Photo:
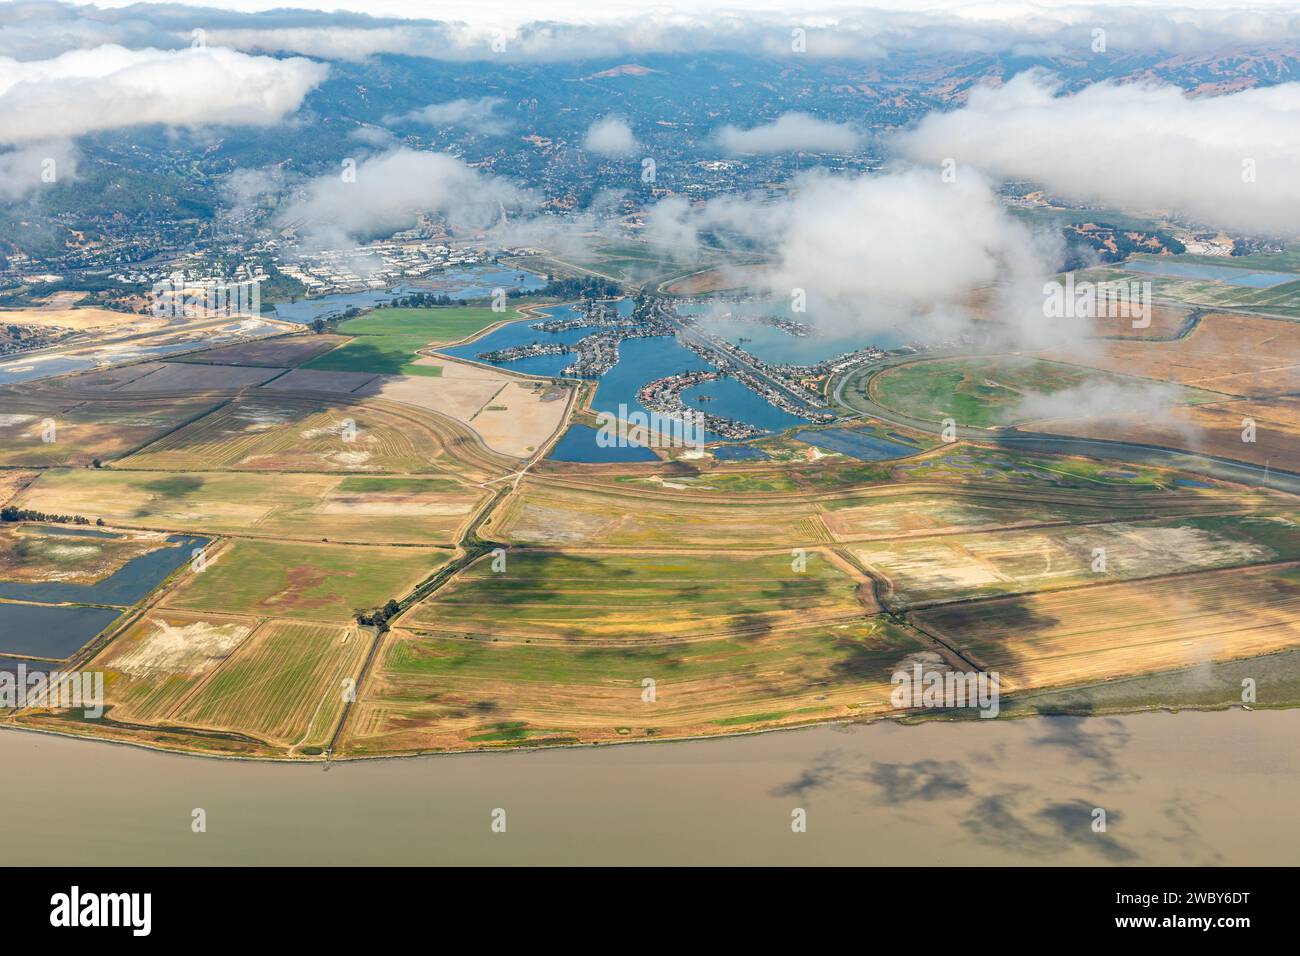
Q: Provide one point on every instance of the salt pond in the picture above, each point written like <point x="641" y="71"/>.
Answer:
<point x="1228" y="275"/>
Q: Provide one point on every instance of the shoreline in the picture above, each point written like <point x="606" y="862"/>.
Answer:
<point x="902" y="720"/>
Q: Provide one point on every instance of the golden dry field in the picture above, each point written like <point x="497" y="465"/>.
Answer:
<point x="921" y="571"/>
<point x="47" y="432"/>
<point x="1227" y="352"/>
<point x="513" y="416"/>
<point x="291" y="434"/>
<point x="285" y="685"/>
<point x="160" y="661"/>
<point x="1098" y="633"/>
<point x="573" y="514"/>
<point x="1217" y="429"/>
<point x="12" y="482"/>
<point x="316" y="582"/>
<point x="308" y="507"/>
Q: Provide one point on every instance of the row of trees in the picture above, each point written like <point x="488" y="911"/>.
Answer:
<point x="11" y="513"/>
<point x="579" y="287"/>
<point x="421" y="300"/>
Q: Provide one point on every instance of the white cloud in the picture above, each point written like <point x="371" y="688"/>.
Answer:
<point x="1137" y="146"/>
<point x="375" y="136"/>
<point x="610" y="136"/>
<point x="473" y="29"/>
<point x="477" y="115"/>
<point x="109" y="87"/>
<point x="1101" y="398"/>
<point x="874" y="251"/>
<point x="389" y="192"/>
<point x="31" y="167"/>
<point x="790" y="133"/>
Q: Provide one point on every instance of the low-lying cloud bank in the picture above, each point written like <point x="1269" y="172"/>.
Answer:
<point x="110" y="87"/>
<point x="571" y="31"/>
<point x="477" y="115"/>
<point x="791" y="133"/>
<point x="1227" y="161"/>
<point x="28" y="168"/>
<point x="1102" y="399"/>
<point x="389" y="192"/>
<point x="873" y="252"/>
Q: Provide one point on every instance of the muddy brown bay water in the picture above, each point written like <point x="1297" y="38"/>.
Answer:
<point x="1188" y="788"/>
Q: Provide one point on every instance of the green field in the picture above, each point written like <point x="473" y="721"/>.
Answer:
<point x="976" y="462"/>
<point x="621" y="599"/>
<point x="320" y="582"/>
<point x="1211" y="685"/>
<point x="376" y="484"/>
<point x="431" y="692"/>
<point x="986" y="392"/>
<point x="386" y="340"/>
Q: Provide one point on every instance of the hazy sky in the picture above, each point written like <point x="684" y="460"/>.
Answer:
<point x="506" y="13"/>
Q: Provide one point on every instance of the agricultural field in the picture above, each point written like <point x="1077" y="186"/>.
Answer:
<point x="12" y="482"/>
<point x="1167" y="322"/>
<point x="178" y="377"/>
<point x="429" y="692"/>
<point x="277" y="433"/>
<point x="920" y="571"/>
<point x="316" y="582"/>
<point x="968" y="463"/>
<point x="721" y="279"/>
<point x="900" y="512"/>
<point x="284" y="685"/>
<point x="90" y="383"/>
<point x="1092" y="634"/>
<point x="1228" y="353"/>
<point x="386" y="341"/>
<point x="581" y="598"/>
<point x="743" y="478"/>
<point x="513" y="416"/>
<point x="631" y="261"/>
<point x="438" y="325"/>
<point x="1217" y="429"/>
<point x="301" y="507"/>
<point x="288" y="351"/>
<point x="1205" y="684"/>
<point x="311" y="380"/>
<point x="568" y="515"/>
<point x="1002" y="390"/>
<point x="48" y="432"/>
<point x="160" y="660"/>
